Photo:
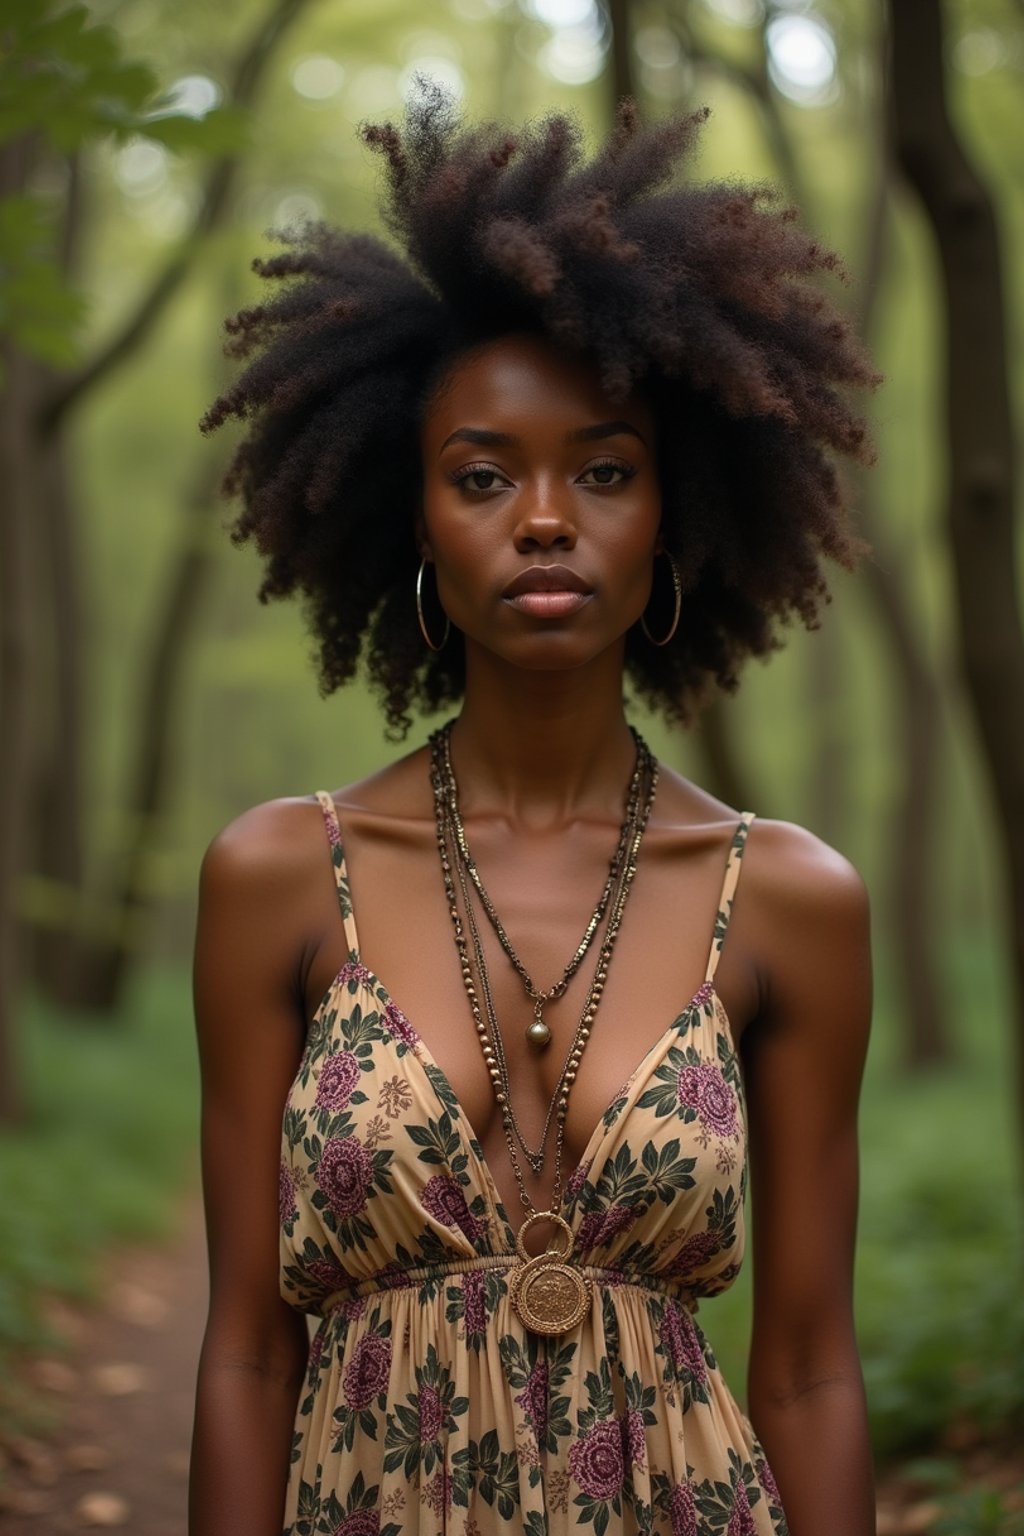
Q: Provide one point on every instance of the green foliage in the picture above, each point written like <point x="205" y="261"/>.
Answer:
<point x="38" y="309"/>
<point x="109" y="1141"/>
<point x="65" y="83"/>
<point x="66" y="77"/>
<point x="979" y="1510"/>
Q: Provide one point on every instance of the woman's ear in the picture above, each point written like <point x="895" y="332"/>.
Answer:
<point x="423" y="548"/>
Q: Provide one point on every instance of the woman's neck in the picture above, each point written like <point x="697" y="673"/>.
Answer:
<point x="542" y="747"/>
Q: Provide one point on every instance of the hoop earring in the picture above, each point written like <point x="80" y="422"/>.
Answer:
<point x="419" y="613"/>
<point x="677" y="589"/>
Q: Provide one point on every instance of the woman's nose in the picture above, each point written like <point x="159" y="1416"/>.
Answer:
<point x="545" y="520"/>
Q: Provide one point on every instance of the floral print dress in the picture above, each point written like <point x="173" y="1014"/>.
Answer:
<point x="428" y="1407"/>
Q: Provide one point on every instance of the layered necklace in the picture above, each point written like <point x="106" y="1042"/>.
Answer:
<point x="548" y="1295"/>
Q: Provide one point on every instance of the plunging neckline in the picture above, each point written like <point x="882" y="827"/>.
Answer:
<point x="425" y="1057"/>
<point x="437" y="1077"/>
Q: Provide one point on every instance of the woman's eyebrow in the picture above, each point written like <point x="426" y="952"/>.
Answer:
<point x="604" y="429"/>
<point x="482" y="437"/>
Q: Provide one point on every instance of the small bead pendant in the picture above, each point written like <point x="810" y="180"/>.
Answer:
<point x="538" y="1033"/>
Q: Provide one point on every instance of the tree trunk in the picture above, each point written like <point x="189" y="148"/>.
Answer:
<point x="981" y="449"/>
<point x="621" y="75"/>
<point x="93" y="963"/>
<point x="104" y="961"/>
<point x="19" y="672"/>
<point x="914" y="849"/>
<point x="57" y="788"/>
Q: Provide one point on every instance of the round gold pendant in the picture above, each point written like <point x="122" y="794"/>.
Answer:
<point x="548" y="1295"/>
<point x="538" y="1032"/>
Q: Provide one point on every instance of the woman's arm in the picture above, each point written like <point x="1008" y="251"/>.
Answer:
<point x="804" y="1058"/>
<point x="250" y="1028"/>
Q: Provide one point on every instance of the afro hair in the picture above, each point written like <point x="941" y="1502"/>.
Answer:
<point x="702" y="296"/>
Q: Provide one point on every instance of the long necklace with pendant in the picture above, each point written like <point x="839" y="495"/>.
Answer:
<point x="443" y="778"/>
<point x="548" y="1295"/>
<point x="539" y="1032"/>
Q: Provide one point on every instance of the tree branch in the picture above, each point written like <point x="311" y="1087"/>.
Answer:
<point x="623" y="79"/>
<point x="247" y="77"/>
<point x="754" y="80"/>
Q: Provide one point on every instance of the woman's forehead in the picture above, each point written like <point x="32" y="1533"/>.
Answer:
<point x="523" y="378"/>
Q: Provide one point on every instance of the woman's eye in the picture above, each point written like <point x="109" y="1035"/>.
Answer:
<point x="606" y="473"/>
<point x="478" y="478"/>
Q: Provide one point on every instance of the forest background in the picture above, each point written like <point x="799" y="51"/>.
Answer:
<point x="145" y="698"/>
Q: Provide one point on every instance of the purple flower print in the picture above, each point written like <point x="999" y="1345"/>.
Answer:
<point x="396" y="1023"/>
<point x="681" y="1511"/>
<point x="766" y="1478"/>
<point x="366" y="1375"/>
<point x="329" y="1274"/>
<point x="286" y="1194"/>
<point x="579" y="1178"/>
<point x="695" y="1253"/>
<point x="353" y="1308"/>
<point x="634" y="1440"/>
<point x="704" y="1089"/>
<point x="704" y="993"/>
<point x="353" y="970"/>
<point x="431" y="1413"/>
<point x="599" y="1227"/>
<point x="442" y="1198"/>
<point x="533" y="1399"/>
<point x="333" y="835"/>
<point x="361" y="1522"/>
<point x="680" y="1342"/>
<point x="741" y="1521"/>
<point x="595" y="1461"/>
<point x="474" y="1302"/>
<point x="344" y="1173"/>
<point x="439" y="1493"/>
<point x="338" y="1077"/>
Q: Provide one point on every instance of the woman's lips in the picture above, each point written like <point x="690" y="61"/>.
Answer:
<point x="548" y="591"/>
<point x="548" y="605"/>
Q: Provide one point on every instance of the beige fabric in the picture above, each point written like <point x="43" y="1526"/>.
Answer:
<point x="428" y="1407"/>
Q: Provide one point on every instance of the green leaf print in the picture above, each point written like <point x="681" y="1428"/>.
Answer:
<point x="610" y="1324"/>
<point x="416" y="1430"/>
<point x="497" y="1473"/>
<point x="359" y="1499"/>
<point x="294" y="1125"/>
<point x="726" y="1506"/>
<point x="442" y="1088"/>
<point x="620" y="1182"/>
<point x="598" y="1385"/>
<point x="667" y="1172"/>
<point x="438" y="1138"/>
<point x="663" y="1095"/>
<point x="308" y="1506"/>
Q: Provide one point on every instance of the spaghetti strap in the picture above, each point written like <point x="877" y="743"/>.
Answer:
<point x="725" y="900"/>
<point x="333" y="829"/>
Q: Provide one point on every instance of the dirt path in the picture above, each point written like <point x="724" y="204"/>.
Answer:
<point x="121" y="1401"/>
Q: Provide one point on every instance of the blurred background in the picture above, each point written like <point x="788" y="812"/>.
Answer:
<point x="146" y="698"/>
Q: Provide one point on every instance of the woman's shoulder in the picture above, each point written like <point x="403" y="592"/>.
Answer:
<point x="799" y="875"/>
<point x="280" y="839"/>
<point x="264" y="837"/>
<point x="785" y="861"/>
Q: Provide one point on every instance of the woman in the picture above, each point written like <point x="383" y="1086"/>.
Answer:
<point x="581" y="433"/>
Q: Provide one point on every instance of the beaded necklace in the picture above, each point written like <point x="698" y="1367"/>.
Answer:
<point x="548" y="1295"/>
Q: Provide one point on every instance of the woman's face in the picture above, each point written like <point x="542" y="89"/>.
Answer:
<point x="541" y="504"/>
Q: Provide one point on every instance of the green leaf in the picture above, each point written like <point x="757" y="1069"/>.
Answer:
<point x="39" y="311"/>
<point x="221" y="132"/>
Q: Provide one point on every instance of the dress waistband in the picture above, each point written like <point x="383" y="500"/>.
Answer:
<point x="406" y="1277"/>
